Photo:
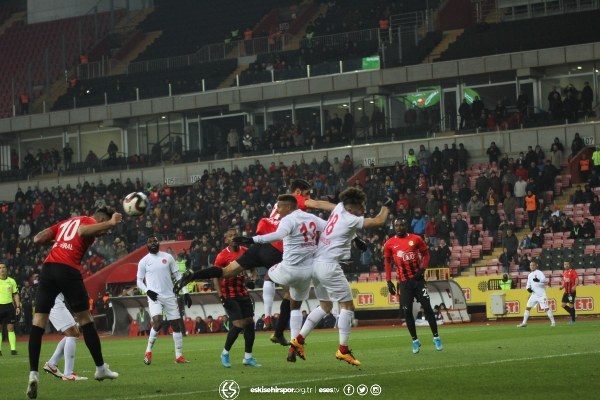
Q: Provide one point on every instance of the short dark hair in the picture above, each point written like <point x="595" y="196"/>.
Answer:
<point x="288" y="198"/>
<point x="301" y="184"/>
<point x="106" y="210"/>
<point x="353" y="196"/>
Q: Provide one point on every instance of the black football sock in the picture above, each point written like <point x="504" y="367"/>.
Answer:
<point x="249" y="336"/>
<point x="431" y="320"/>
<point x="410" y="323"/>
<point x="212" y="272"/>
<point x="284" y="318"/>
<point x="92" y="341"/>
<point x="572" y="313"/>
<point x="35" y="346"/>
<point x="234" y="332"/>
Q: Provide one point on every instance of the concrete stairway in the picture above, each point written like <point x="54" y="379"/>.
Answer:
<point x="559" y="204"/>
<point x="18" y="16"/>
<point x="148" y="39"/>
<point x="449" y="37"/>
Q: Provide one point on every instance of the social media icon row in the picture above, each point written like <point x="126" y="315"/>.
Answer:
<point x="362" y="390"/>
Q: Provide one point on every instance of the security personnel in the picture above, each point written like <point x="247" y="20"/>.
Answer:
<point x="505" y="282"/>
<point x="596" y="159"/>
<point x="531" y="208"/>
<point x="10" y="307"/>
<point x="584" y="167"/>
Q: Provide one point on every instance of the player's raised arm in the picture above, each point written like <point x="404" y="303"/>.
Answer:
<point x="106" y="218"/>
<point x="45" y="237"/>
<point x="380" y="218"/>
<point x="319" y="204"/>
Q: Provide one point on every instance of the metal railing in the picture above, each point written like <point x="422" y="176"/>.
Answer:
<point x="214" y="52"/>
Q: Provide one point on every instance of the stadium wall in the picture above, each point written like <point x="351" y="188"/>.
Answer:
<point x="44" y="10"/>
<point x="476" y="293"/>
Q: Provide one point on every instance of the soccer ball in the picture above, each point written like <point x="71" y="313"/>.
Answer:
<point x="135" y="204"/>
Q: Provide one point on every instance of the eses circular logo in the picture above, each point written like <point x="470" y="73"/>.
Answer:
<point x="229" y="390"/>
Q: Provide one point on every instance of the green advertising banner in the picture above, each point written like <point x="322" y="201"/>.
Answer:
<point x="370" y="62"/>
<point x="469" y="94"/>
<point x="423" y="98"/>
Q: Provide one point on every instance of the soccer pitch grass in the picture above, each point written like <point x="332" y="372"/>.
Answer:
<point x="499" y="361"/>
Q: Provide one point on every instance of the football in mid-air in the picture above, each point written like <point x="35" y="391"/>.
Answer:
<point x="135" y="204"/>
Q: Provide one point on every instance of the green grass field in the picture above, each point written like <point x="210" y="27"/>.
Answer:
<point x="497" y="361"/>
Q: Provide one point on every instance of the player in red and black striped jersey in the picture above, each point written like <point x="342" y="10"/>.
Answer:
<point x="236" y="301"/>
<point x="569" y="283"/>
<point x="409" y="253"/>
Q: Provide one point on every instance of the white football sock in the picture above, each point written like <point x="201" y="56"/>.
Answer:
<point x="70" y="349"/>
<point x="295" y="322"/>
<point x="344" y="326"/>
<point x="525" y="316"/>
<point x="268" y="297"/>
<point x="58" y="353"/>
<point x="550" y="315"/>
<point x="151" y="340"/>
<point x="312" y="320"/>
<point x="178" y="339"/>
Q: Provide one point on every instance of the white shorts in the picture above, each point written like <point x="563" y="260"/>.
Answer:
<point x="298" y="278"/>
<point x="60" y="316"/>
<point x="534" y="300"/>
<point x="330" y="282"/>
<point x="168" y="303"/>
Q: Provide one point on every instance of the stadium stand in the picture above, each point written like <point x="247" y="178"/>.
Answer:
<point x="241" y="197"/>
<point x="35" y="55"/>
<point x="192" y="24"/>
<point x="485" y="39"/>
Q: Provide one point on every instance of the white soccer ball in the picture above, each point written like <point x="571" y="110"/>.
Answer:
<point x="135" y="204"/>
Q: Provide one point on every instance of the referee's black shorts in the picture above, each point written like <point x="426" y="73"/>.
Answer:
<point x="7" y="315"/>
<point x="58" y="278"/>
<point x="238" y="308"/>
<point x="260" y="255"/>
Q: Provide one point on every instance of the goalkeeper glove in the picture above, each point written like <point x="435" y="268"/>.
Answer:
<point x="152" y="294"/>
<point x="530" y="290"/>
<point x="360" y="244"/>
<point x="420" y="275"/>
<point x="187" y="299"/>
<point x="391" y="287"/>
<point x="388" y="202"/>
<point x="536" y="279"/>
<point x="243" y="240"/>
<point x="250" y="285"/>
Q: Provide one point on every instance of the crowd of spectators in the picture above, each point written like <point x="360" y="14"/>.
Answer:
<point x="431" y="190"/>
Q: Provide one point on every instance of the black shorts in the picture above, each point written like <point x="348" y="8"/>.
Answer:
<point x="7" y="315"/>
<point x="260" y="255"/>
<point x="413" y="289"/>
<point x="565" y="298"/>
<point x="239" y="308"/>
<point x="60" y="278"/>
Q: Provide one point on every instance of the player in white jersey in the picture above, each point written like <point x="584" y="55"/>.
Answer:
<point x="536" y="286"/>
<point x="328" y="277"/>
<point x="300" y="189"/>
<point x="158" y="269"/>
<point x="63" y="321"/>
<point x="298" y="230"/>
